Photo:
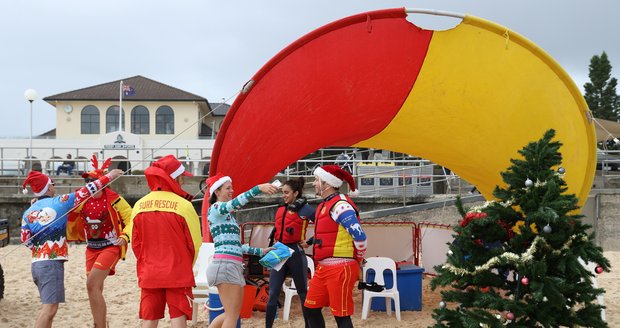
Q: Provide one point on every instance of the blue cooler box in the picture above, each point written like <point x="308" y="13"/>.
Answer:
<point x="409" y="278"/>
<point x="216" y="308"/>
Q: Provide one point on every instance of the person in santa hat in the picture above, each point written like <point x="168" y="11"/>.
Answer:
<point x="44" y="230"/>
<point x="290" y="226"/>
<point x="339" y="247"/>
<point x="226" y="270"/>
<point x="104" y="222"/>
<point x="165" y="240"/>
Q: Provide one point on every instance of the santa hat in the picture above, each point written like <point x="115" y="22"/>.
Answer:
<point x="334" y="176"/>
<point x="39" y="183"/>
<point x="171" y="166"/>
<point x="217" y="181"/>
<point x="98" y="172"/>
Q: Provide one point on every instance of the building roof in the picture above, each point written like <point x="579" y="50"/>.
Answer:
<point x="145" y="90"/>
<point x="219" y="109"/>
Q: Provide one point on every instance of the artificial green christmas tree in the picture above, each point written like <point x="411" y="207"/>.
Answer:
<point x="515" y="261"/>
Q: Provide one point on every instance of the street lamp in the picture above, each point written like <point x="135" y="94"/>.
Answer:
<point x="31" y="95"/>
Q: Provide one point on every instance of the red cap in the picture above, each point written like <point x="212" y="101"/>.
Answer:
<point x="171" y="166"/>
<point x="39" y="183"/>
<point x="216" y="181"/>
<point x="334" y="175"/>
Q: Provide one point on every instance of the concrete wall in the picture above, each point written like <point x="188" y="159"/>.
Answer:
<point x="608" y="222"/>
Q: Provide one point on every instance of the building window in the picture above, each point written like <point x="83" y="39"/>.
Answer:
<point x="140" y="120"/>
<point x="90" y="120"/>
<point x="111" y="120"/>
<point x="164" y="120"/>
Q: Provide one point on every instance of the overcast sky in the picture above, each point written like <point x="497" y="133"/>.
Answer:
<point x="211" y="48"/>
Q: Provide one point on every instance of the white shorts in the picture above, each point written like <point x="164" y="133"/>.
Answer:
<point x="223" y="271"/>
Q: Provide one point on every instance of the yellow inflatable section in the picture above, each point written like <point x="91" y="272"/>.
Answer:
<point x="482" y="96"/>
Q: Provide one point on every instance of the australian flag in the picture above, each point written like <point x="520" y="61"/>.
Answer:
<point x="128" y="91"/>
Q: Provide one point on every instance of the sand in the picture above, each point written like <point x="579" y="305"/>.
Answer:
<point x="21" y="302"/>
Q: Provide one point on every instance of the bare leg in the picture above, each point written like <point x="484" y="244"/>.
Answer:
<point x="179" y="322"/>
<point x="149" y="323"/>
<point x="46" y="316"/>
<point x="94" y="285"/>
<point x="232" y="298"/>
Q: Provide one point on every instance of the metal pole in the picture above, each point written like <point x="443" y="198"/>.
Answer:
<point x="29" y="160"/>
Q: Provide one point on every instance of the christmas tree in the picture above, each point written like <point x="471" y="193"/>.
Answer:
<point x="517" y="261"/>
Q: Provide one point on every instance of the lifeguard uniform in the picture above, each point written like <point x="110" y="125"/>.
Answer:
<point x="165" y="239"/>
<point x="338" y="237"/>
<point x="290" y="225"/>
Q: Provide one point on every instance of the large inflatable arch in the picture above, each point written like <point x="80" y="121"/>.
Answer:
<point x="466" y="98"/>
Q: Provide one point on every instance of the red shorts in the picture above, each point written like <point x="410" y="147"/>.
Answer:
<point x="103" y="259"/>
<point x="153" y="302"/>
<point x="333" y="286"/>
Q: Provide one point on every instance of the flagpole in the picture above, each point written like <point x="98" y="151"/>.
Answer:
<point x="120" y="106"/>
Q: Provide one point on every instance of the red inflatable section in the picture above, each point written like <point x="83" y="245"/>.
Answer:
<point x="358" y="69"/>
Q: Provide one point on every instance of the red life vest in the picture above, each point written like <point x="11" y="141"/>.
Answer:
<point x="330" y="238"/>
<point x="290" y="227"/>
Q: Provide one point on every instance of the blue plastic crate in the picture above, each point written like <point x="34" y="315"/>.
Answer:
<point x="409" y="278"/>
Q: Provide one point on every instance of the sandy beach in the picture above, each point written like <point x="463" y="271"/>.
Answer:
<point x="21" y="302"/>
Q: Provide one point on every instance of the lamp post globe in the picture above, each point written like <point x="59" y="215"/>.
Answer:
<point x="30" y="95"/>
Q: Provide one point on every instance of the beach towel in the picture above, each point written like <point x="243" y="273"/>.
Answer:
<point x="275" y="258"/>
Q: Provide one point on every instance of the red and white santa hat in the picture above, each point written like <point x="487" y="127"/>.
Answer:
<point x="217" y="181"/>
<point x="171" y="166"/>
<point x="334" y="176"/>
<point x="39" y="183"/>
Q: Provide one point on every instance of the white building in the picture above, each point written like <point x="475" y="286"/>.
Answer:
<point x="157" y="119"/>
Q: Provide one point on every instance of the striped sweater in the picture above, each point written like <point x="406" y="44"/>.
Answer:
<point x="225" y="230"/>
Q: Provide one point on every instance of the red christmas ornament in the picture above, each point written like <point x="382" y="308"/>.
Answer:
<point x="510" y="316"/>
<point x="525" y="281"/>
<point x="599" y="269"/>
<point x="485" y="289"/>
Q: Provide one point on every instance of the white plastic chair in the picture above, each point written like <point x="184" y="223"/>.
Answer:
<point x="290" y="291"/>
<point x="378" y="265"/>
<point x="202" y="289"/>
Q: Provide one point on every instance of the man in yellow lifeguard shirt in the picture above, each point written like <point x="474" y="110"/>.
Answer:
<point x="166" y="239"/>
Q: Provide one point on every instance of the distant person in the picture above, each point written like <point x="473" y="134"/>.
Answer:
<point x="339" y="247"/>
<point x="44" y="230"/>
<point x="226" y="270"/>
<point x="165" y="239"/>
<point x="104" y="222"/>
<point x="290" y="225"/>
<point x="67" y="166"/>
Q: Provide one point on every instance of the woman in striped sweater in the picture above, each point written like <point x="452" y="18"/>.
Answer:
<point x="226" y="270"/>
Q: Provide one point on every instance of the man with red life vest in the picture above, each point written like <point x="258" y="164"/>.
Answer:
<point x="339" y="248"/>
<point x="166" y="239"/>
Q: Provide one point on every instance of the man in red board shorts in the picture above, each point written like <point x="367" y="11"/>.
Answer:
<point x="339" y="246"/>
<point x="166" y="239"/>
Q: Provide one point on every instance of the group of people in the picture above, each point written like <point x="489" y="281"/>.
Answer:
<point x="163" y="229"/>
<point x="339" y="244"/>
